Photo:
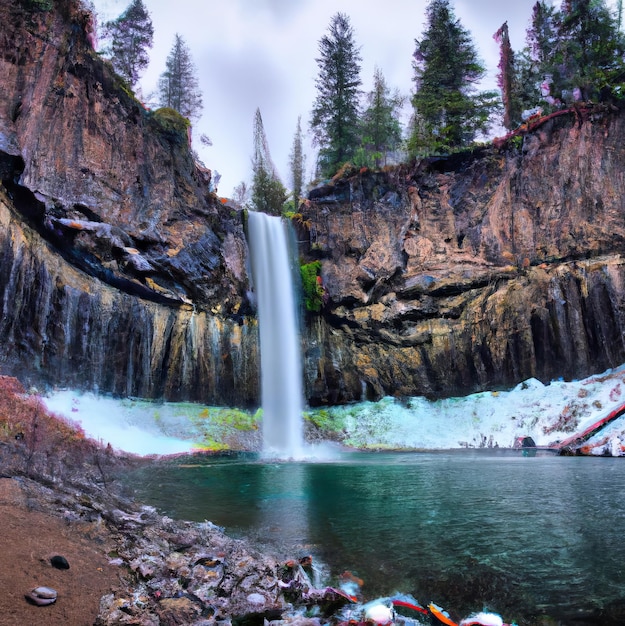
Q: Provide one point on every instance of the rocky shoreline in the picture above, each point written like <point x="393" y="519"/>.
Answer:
<point x="136" y="566"/>
<point x="176" y="572"/>
<point x="170" y="571"/>
<point x="165" y="571"/>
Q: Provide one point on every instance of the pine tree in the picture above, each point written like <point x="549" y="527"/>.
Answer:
<point x="576" y="49"/>
<point x="542" y="35"/>
<point x="536" y="67"/>
<point x="335" y="114"/>
<point x="448" y="114"/>
<point x="178" y="84"/>
<point x="268" y="193"/>
<point x="380" y="126"/>
<point x="296" y="163"/>
<point x="130" y="38"/>
<point x="590" y="47"/>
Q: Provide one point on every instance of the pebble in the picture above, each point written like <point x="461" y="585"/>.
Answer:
<point x="257" y="599"/>
<point x="60" y="562"/>
<point x="41" y="596"/>
<point x="379" y="614"/>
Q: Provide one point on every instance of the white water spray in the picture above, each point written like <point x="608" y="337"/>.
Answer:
<point x="281" y="364"/>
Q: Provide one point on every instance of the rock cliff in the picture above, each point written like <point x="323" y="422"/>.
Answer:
<point x="112" y="185"/>
<point x="123" y="272"/>
<point x="61" y="326"/>
<point x="476" y="271"/>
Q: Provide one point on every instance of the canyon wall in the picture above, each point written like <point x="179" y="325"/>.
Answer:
<point x="61" y="326"/>
<point x="476" y="271"/>
<point x="122" y="271"/>
<point x="112" y="185"/>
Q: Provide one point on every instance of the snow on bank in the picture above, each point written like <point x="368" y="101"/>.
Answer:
<point x="547" y="413"/>
<point x="120" y="423"/>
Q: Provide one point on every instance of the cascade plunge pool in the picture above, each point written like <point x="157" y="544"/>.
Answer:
<point x="465" y="528"/>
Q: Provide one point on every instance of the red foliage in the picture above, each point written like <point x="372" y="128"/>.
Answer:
<point x="23" y="417"/>
<point x="567" y="422"/>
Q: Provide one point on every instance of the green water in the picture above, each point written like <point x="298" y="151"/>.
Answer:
<point x="473" y="530"/>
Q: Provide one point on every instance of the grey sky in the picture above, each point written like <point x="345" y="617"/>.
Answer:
<point x="261" y="53"/>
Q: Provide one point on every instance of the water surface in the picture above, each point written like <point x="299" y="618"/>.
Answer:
<point x="546" y="532"/>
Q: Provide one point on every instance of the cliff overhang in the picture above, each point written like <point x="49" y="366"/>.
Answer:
<point x="114" y="188"/>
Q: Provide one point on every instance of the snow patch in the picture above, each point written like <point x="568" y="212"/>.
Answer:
<point x="547" y="413"/>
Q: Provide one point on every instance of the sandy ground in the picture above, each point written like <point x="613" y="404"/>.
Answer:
<point x="28" y="539"/>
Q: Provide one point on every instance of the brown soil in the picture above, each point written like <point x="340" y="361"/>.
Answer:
<point x="29" y="538"/>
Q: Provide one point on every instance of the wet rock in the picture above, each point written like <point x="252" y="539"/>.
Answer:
<point x="524" y="442"/>
<point x="42" y="596"/>
<point x="146" y="566"/>
<point x="60" y="562"/>
<point x="176" y="562"/>
<point x="178" y="611"/>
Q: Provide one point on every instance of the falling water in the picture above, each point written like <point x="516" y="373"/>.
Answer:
<point x="281" y="367"/>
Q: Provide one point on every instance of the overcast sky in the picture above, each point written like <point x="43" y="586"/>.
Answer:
<point x="261" y="53"/>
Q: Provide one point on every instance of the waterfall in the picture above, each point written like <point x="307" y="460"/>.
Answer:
<point x="280" y="358"/>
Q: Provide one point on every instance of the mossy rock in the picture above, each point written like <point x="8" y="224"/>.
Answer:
<point x="313" y="290"/>
<point x="231" y="418"/>
<point x="329" y="422"/>
<point x="172" y="123"/>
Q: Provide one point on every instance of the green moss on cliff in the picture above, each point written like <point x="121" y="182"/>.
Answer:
<point x="231" y="418"/>
<point x="313" y="290"/>
<point x="172" y="123"/>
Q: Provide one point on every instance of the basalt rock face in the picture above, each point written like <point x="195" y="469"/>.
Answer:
<point x="473" y="272"/>
<point x="61" y="326"/>
<point x="120" y="269"/>
<point x="113" y="186"/>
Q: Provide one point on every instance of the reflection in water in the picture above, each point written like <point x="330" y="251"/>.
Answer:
<point x="551" y="528"/>
<point x="283" y="508"/>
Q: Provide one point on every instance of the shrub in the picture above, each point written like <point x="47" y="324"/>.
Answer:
<point x="45" y="445"/>
<point x="312" y="286"/>
<point x="38" y="5"/>
<point x="172" y="122"/>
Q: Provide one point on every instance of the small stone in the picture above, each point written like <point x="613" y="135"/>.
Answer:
<point x="379" y="614"/>
<point x="175" y="561"/>
<point x="41" y="596"/>
<point x="178" y="611"/>
<point x="256" y="598"/>
<point x="209" y="561"/>
<point x="60" y="562"/>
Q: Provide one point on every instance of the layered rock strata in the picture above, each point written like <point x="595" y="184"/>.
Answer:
<point x="61" y="326"/>
<point x="122" y="271"/>
<point x="113" y="186"/>
<point x="473" y="272"/>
